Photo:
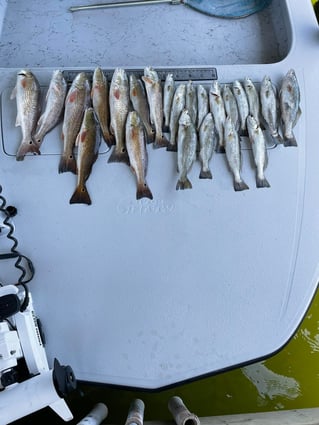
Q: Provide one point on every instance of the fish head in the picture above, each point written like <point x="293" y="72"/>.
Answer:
<point x="248" y="83"/>
<point x="98" y="76"/>
<point x="25" y="78"/>
<point x="215" y="88"/>
<point x="252" y="123"/>
<point x="185" y="119"/>
<point x="266" y="82"/>
<point x="119" y="77"/>
<point x="81" y="80"/>
<point x="150" y="74"/>
<point x="132" y="80"/>
<point x="237" y="87"/>
<point x="133" y="119"/>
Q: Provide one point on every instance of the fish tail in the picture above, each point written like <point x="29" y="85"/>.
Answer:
<point x="183" y="183"/>
<point x="67" y="163"/>
<point x="143" y="191"/>
<point x="205" y="174"/>
<point x="290" y="141"/>
<point x="171" y="147"/>
<point x="109" y="139"/>
<point x="278" y="138"/>
<point x="220" y="148"/>
<point x="262" y="182"/>
<point x="239" y="186"/>
<point x="27" y="147"/>
<point x="80" y="196"/>
<point x="160" y="142"/>
<point x="119" y="156"/>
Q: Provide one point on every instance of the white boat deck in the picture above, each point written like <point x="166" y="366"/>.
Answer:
<point x="152" y="293"/>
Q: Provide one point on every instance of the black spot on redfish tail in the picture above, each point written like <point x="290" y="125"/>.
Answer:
<point x="160" y="142"/>
<point x="183" y="184"/>
<point x="119" y="156"/>
<point x="25" y="148"/>
<point x="143" y="191"/>
<point x="239" y="186"/>
<point x="262" y="182"/>
<point x="205" y="174"/>
<point x="67" y="163"/>
<point x="81" y="196"/>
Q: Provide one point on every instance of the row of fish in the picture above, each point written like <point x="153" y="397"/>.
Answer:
<point x="135" y="111"/>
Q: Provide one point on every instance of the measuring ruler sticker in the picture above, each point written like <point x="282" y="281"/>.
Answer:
<point x="179" y="74"/>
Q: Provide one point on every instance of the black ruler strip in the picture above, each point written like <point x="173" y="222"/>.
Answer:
<point x="179" y="74"/>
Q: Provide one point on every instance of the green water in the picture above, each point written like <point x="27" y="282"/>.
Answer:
<point x="287" y="380"/>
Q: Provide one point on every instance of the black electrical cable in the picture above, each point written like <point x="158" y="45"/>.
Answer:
<point x="10" y="212"/>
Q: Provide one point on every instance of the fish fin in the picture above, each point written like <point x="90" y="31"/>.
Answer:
<point x="183" y="184"/>
<point x="290" y="141"/>
<point x="262" y="182"/>
<point x="277" y="138"/>
<point x="143" y="191"/>
<point x="239" y="186"/>
<point x="220" y="149"/>
<point x="77" y="140"/>
<point x="160" y="142"/>
<point x="109" y="139"/>
<point x="67" y="163"/>
<point x="13" y="93"/>
<point x="297" y="117"/>
<point x="171" y="147"/>
<point x="80" y="196"/>
<point x="205" y="174"/>
<point x="119" y="156"/>
<point x="27" y="147"/>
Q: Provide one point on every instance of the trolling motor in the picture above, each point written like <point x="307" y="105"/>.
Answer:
<point x="27" y="384"/>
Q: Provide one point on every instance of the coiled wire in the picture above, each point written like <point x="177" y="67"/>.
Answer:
<point x="26" y="273"/>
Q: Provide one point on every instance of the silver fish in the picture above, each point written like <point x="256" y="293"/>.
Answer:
<point x="191" y="101"/>
<point x="169" y="89"/>
<point x="202" y="105"/>
<point x="242" y="104"/>
<point x="207" y="141"/>
<point x="119" y="108"/>
<point x="77" y="100"/>
<point x="140" y="105"/>
<point x="230" y="103"/>
<point x="233" y="154"/>
<point x="136" y="148"/>
<point x="86" y="142"/>
<point x="100" y="102"/>
<point x="269" y="107"/>
<point x="27" y="94"/>
<point x="258" y="144"/>
<point x="253" y="98"/>
<point x="217" y="108"/>
<point x="155" y="100"/>
<point x="289" y="98"/>
<point x="178" y="105"/>
<point x="55" y="99"/>
<point x="186" y="152"/>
